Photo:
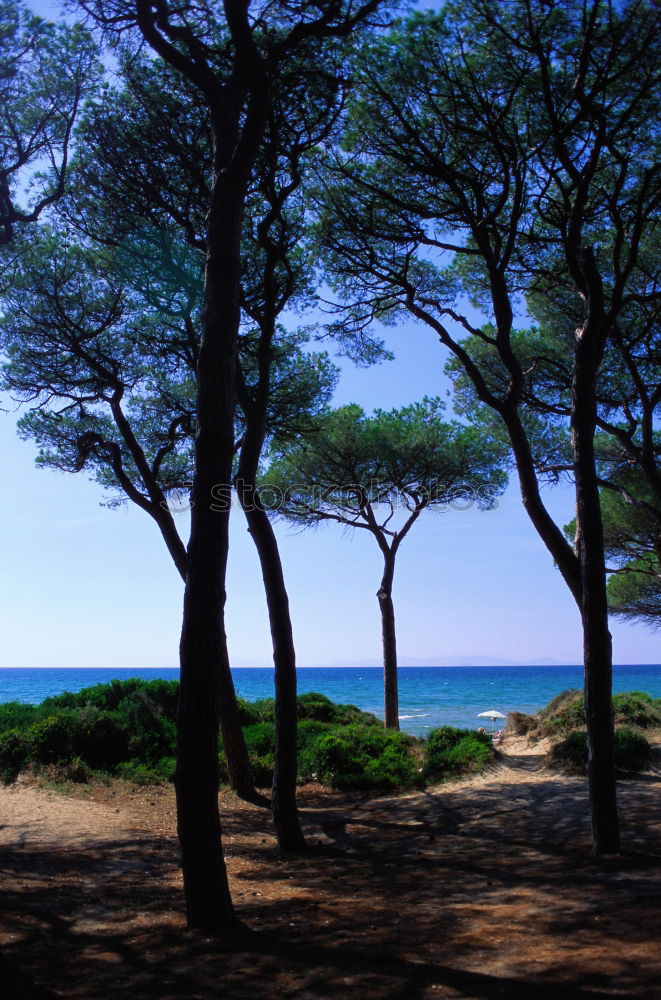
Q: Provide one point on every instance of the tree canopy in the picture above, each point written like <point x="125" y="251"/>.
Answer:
<point x="46" y="72"/>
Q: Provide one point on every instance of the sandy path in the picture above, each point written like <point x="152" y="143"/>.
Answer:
<point x="476" y="889"/>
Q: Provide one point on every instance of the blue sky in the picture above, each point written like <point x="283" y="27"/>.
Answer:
<point x="85" y="586"/>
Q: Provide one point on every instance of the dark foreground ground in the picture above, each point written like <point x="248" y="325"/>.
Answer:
<point x="484" y="888"/>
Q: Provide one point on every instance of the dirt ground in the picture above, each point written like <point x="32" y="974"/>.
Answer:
<point x="474" y="889"/>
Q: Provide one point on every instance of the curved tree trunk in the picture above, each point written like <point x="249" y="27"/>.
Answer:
<point x="389" y="641"/>
<point x="283" y="800"/>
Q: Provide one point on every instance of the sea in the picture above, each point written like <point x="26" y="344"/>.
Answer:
<point x="428" y="696"/>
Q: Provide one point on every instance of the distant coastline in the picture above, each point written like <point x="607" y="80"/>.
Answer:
<point x="370" y="665"/>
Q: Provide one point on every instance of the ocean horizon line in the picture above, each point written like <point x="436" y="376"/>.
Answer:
<point x="362" y="666"/>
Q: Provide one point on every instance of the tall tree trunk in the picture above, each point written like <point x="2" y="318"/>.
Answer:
<point x="206" y="685"/>
<point x="283" y="799"/>
<point x="238" y="110"/>
<point x="238" y="765"/>
<point x="389" y="641"/>
<point x="597" y="647"/>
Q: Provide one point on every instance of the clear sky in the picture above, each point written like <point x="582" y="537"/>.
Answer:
<point x="85" y="586"/>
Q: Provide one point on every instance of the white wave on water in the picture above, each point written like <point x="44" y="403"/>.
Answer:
<point x="421" y="715"/>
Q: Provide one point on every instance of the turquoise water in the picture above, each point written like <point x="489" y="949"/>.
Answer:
<point x="428" y="696"/>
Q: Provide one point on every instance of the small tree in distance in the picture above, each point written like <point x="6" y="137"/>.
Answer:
<point x="380" y="473"/>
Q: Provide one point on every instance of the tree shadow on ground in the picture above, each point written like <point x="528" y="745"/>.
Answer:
<point x="467" y="892"/>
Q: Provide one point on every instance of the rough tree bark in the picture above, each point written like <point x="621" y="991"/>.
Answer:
<point x="389" y="641"/>
<point x="283" y="798"/>
<point x="597" y="646"/>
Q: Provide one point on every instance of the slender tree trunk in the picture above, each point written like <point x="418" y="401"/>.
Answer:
<point x="389" y="640"/>
<point x="597" y="647"/>
<point x="206" y="690"/>
<point x="238" y="110"/>
<point x="283" y="800"/>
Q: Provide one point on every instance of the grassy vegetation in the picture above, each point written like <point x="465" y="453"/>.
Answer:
<point x="451" y="751"/>
<point x="634" y="712"/>
<point x="630" y="708"/>
<point x="127" y="729"/>
<point x="632" y="751"/>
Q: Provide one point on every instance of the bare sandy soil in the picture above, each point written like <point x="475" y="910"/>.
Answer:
<point x="476" y="889"/>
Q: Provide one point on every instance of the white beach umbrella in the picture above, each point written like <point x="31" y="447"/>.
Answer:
<point x="492" y="714"/>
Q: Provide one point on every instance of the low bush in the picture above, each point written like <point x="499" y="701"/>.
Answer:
<point x="563" y="713"/>
<point x="152" y="730"/>
<point x="566" y="712"/>
<point x="260" y="744"/>
<point x="100" y="738"/>
<point x="96" y="737"/>
<point x="105" y="697"/>
<point x="635" y="708"/>
<point x="248" y="712"/>
<point x="632" y="751"/>
<point x="17" y="715"/>
<point x="449" y="751"/>
<point x="147" y="774"/>
<point x="14" y="754"/>
<point x="52" y="738"/>
<point x="360" y="757"/>
<point x="571" y="752"/>
<point x="319" y="708"/>
<point x="308" y="734"/>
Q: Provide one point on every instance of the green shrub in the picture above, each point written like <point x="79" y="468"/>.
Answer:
<point x="632" y="751"/>
<point x="260" y="744"/>
<point x="260" y="737"/>
<point x="359" y="756"/>
<point x="450" y="751"/>
<point x="572" y="752"/>
<point x="249" y="714"/>
<point x="105" y="697"/>
<point x="308" y="733"/>
<point x="95" y="736"/>
<point x="14" y="753"/>
<point x="560" y="702"/>
<point x="147" y="774"/>
<point x="394" y="767"/>
<point x="263" y="709"/>
<point x="99" y="738"/>
<point x="52" y="737"/>
<point x="17" y="715"/>
<point x="563" y="713"/>
<point x="566" y="712"/>
<point x="152" y="731"/>
<point x="319" y="708"/>
<point x="635" y="708"/>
